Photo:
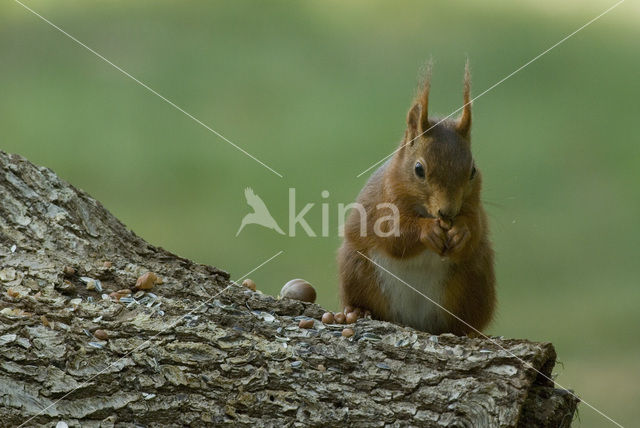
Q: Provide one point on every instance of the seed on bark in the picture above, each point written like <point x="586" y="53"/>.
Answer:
<point x="328" y="318"/>
<point x="250" y="284"/>
<point x="147" y="281"/>
<point x="299" y="289"/>
<point x="306" y="324"/>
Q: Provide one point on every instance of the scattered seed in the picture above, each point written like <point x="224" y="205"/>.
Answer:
<point x="124" y="291"/>
<point x="45" y="321"/>
<point x="347" y="332"/>
<point x="340" y="318"/>
<point x="139" y="294"/>
<point x="250" y="284"/>
<point x="296" y="364"/>
<point x="383" y="366"/>
<point x="328" y="318"/>
<point x="97" y="345"/>
<point x="322" y="368"/>
<point x="305" y="324"/>
<point x="12" y="293"/>
<point x="147" y="281"/>
<point x="13" y="248"/>
<point x="299" y="289"/>
<point x="101" y="334"/>
<point x="69" y="271"/>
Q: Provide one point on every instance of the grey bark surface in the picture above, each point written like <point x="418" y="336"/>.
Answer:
<point x="199" y="350"/>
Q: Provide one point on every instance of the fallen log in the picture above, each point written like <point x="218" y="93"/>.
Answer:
<point x="200" y="350"/>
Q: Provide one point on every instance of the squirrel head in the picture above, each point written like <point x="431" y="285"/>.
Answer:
<point x="433" y="172"/>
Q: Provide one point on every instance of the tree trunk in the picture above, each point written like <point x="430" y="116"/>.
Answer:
<point x="200" y="350"/>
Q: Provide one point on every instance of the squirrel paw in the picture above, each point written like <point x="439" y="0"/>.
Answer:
<point x="457" y="238"/>
<point x="434" y="237"/>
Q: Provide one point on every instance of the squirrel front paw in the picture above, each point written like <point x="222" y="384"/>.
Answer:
<point x="434" y="236"/>
<point x="457" y="239"/>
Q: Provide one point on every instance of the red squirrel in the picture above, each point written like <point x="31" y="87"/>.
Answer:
<point x="440" y="246"/>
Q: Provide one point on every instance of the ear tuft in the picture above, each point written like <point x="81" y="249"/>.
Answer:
<point x="464" y="123"/>
<point x="423" y="98"/>
<point x="418" y="116"/>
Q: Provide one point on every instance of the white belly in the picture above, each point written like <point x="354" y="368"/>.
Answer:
<point x="426" y="273"/>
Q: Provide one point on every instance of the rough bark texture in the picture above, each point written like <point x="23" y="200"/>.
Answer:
<point x="238" y="358"/>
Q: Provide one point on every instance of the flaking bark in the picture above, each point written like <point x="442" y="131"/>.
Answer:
<point x="237" y="359"/>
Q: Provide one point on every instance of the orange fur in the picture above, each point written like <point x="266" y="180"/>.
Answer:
<point x="441" y="213"/>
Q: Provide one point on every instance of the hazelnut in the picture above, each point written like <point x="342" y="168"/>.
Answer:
<point x="351" y="317"/>
<point x="306" y="324"/>
<point x="347" y="332"/>
<point x="299" y="289"/>
<point x="327" y="318"/>
<point x="101" y="334"/>
<point x="340" y="318"/>
<point x="147" y="281"/>
<point x="249" y="284"/>
<point x="69" y="271"/>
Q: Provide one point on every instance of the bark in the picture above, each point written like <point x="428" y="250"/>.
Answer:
<point x="236" y="358"/>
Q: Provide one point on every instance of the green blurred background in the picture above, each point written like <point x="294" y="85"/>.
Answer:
<point x="319" y="91"/>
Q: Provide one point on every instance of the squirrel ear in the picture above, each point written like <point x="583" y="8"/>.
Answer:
<point x="464" y="123"/>
<point x="413" y="121"/>
<point x="418" y="116"/>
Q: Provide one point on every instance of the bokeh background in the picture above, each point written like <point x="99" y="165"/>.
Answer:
<point x="319" y="90"/>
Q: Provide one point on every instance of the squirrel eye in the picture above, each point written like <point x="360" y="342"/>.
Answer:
<point x="419" y="170"/>
<point x="473" y="172"/>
